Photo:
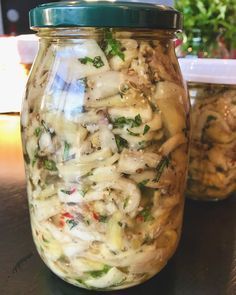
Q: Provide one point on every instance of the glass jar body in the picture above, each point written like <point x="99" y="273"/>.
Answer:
<point x="105" y="139"/>
<point x="212" y="167"/>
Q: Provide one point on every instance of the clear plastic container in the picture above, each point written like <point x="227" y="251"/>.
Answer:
<point x="212" y="89"/>
<point x="105" y="138"/>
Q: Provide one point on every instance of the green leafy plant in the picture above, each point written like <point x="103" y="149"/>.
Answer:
<point x="212" y="18"/>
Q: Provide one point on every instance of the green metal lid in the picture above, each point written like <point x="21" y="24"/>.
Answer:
<point x="105" y="14"/>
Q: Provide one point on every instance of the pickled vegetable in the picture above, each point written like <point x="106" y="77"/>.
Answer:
<point x="212" y="171"/>
<point x="105" y="130"/>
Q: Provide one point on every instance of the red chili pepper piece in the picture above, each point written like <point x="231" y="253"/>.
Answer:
<point x="140" y="218"/>
<point x="61" y="223"/>
<point x="68" y="215"/>
<point x="95" y="216"/>
<point x="73" y="190"/>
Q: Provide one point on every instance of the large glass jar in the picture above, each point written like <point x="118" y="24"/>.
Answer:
<point x="212" y="89"/>
<point x="105" y="138"/>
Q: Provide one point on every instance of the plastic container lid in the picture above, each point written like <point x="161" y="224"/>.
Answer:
<point x="105" y="14"/>
<point x="208" y="70"/>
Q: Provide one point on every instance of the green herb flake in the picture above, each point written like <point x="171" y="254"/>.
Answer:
<point x="160" y="168"/>
<point x="153" y="107"/>
<point x="44" y="239"/>
<point x="66" y="150"/>
<point x="132" y="133"/>
<point x="99" y="273"/>
<point x="71" y="223"/>
<point x="113" y="46"/>
<point x="121" y="143"/>
<point x="97" y="62"/>
<point x="121" y="122"/>
<point x="126" y="202"/>
<point x="211" y="118"/>
<point x="143" y="183"/>
<point x="37" y="131"/>
<point x="142" y="144"/>
<point x="86" y="60"/>
<point x="146" y="215"/>
<point x="148" y="240"/>
<point x="66" y="192"/>
<point x="35" y="157"/>
<point x="80" y="281"/>
<point x="82" y="192"/>
<point x="87" y="221"/>
<point x="50" y="165"/>
<point x="120" y="223"/>
<point x="146" y="129"/>
<point x="137" y="121"/>
<point x="103" y="218"/>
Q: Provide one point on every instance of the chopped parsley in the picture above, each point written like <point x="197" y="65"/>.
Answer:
<point x="211" y="118"/>
<point x="113" y="46"/>
<point x="121" y="122"/>
<point x="86" y="60"/>
<point x="37" y="131"/>
<point x="70" y="192"/>
<point x="71" y="223"/>
<point x="97" y="61"/>
<point x="66" y="151"/>
<point x="145" y="214"/>
<point x="87" y="221"/>
<point x="82" y="192"/>
<point x="50" y="165"/>
<point x="66" y="192"/>
<point x="126" y="203"/>
<point x="142" y="144"/>
<point x="121" y="143"/>
<point x="103" y="218"/>
<point x="148" y="240"/>
<point x="99" y="273"/>
<point x="35" y="156"/>
<point x="143" y="183"/>
<point x="132" y="133"/>
<point x="146" y="129"/>
<point x="80" y="281"/>
<point x="160" y="167"/>
<point x="44" y="239"/>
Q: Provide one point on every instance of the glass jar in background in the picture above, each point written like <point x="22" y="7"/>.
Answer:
<point x="27" y="47"/>
<point x="105" y="139"/>
<point x="212" y="89"/>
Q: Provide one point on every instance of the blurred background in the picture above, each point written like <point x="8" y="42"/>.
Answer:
<point x="210" y="26"/>
<point x="209" y="32"/>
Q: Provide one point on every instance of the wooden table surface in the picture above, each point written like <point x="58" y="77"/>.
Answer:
<point x="204" y="264"/>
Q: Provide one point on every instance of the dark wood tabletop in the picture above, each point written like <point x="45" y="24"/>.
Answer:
<point x="204" y="264"/>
